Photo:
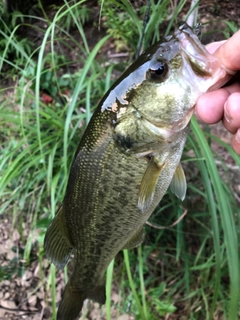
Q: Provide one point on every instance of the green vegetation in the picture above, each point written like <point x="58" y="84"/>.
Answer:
<point x="193" y="267"/>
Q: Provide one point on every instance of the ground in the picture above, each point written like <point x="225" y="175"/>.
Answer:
<point x="24" y="296"/>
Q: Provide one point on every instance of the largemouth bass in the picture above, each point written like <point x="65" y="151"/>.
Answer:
<point x="127" y="158"/>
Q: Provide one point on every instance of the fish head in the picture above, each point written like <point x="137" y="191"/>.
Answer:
<point x="163" y="84"/>
<point x="178" y="72"/>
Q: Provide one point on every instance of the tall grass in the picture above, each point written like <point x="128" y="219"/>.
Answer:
<point x="223" y="205"/>
<point x="186" y="265"/>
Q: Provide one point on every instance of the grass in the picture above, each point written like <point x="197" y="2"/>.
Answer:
<point x="193" y="266"/>
<point x="224" y="207"/>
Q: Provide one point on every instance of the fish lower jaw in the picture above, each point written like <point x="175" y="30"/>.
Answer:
<point x="160" y="132"/>
<point x="168" y="133"/>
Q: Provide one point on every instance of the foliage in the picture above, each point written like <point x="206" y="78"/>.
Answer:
<point x="79" y="13"/>
<point x="230" y="29"/>
<point x="124" y="22"/>
<point x="13" y="48"/>
<point x="186" y="265"/>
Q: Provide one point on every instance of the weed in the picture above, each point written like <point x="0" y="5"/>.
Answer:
<point x="230" y="29"/>
<point x="13" y="48"/>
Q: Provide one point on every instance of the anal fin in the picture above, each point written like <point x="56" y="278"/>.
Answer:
<point x="178" y="184"/>
<point x="148" y="184"/>
<point x="135" y="240"/>
<point x="57" y="244"/>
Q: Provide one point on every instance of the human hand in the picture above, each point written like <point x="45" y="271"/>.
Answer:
<point x="224" y="104"/>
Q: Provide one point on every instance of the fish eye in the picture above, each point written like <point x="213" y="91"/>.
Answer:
<point x="158" y="72"/>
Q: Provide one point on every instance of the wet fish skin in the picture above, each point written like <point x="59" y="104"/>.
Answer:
<point x="125" y="162"/>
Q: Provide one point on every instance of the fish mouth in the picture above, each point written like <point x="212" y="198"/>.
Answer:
<point x="198" y="62"/>
<point x="203" y="63"/>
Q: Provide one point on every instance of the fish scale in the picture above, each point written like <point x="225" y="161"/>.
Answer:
<point x="127" y="158"/>
<point x="119" y="188"/>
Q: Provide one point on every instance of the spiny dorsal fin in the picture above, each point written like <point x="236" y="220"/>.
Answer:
<point x="178" y="184"/>
<point x="148" y="185"/>
<point x="57" y="244"/>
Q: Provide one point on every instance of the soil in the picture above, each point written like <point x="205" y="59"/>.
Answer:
<point x="23" y="295"/>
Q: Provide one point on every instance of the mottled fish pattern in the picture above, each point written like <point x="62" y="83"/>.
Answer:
<point x="127" y="158"/>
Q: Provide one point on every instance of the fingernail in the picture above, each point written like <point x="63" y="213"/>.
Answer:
<point x="226" y="113"/>
<point x="238" y="136"/>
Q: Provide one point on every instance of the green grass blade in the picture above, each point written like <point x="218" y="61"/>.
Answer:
<point x="142" y="286"/>
<point x="109" y="289"/>
<point x="175" y="13"/>
<point x="227" y="221"/>
<point x="214" y="221"/>
<point x="132" y="285"/>
<point x="53" y="291"/>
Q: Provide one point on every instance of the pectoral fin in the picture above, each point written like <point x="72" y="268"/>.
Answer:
<point x="148" y="185"/>
<point x="136" y="240"/>
<point x="178" y="184"/>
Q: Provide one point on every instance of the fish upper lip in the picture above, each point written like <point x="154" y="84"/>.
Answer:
<point x="191" y="46"/>
<point x="192" y="49"/>
<point x="208" y="66"/>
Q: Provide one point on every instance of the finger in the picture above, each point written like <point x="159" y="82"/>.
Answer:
<point x="212" y="47"/>
<point x="236" y="142"/>
<point x="228" y="52"/>
<point x="210" y="106"/>
<point x="231" y="119"/>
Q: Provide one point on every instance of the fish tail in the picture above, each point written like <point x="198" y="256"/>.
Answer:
<point x="71" y="304"/>
<point x="57" y="243"/>
<point x="72" y="301"/>
<point x="98" y="294"/>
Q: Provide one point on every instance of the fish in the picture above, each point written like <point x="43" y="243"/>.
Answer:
<point x="126" y="160"/>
